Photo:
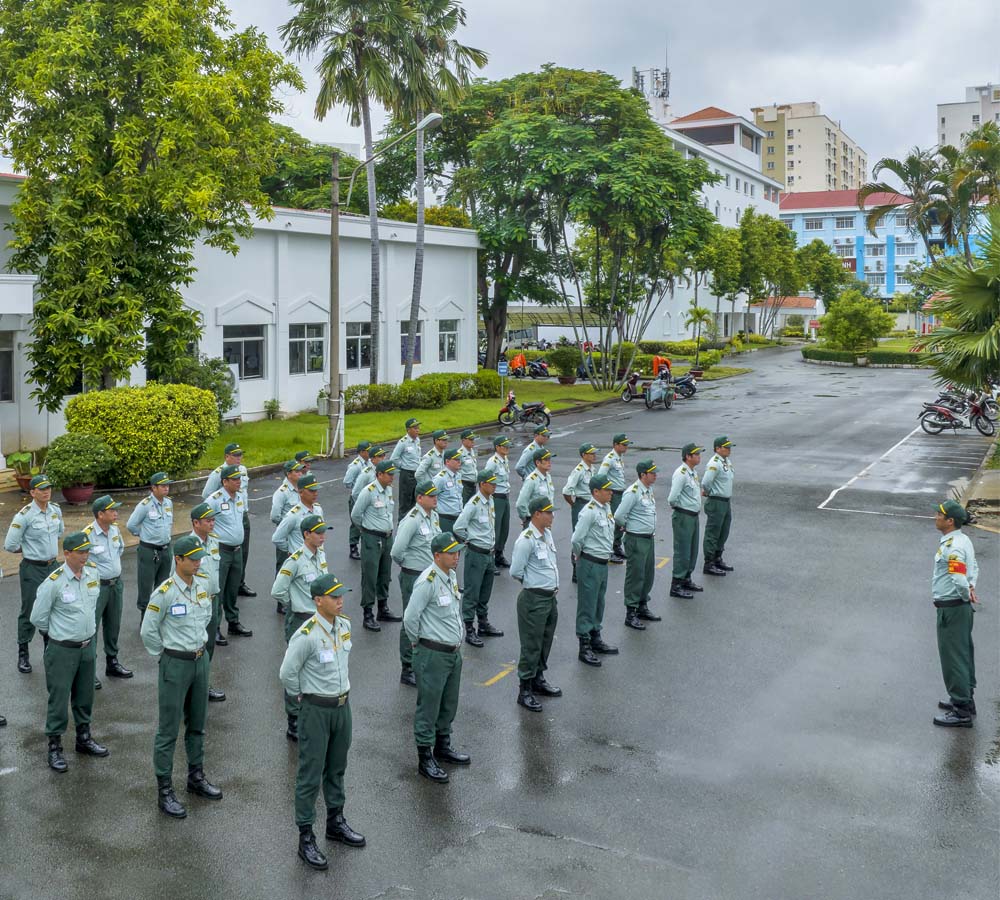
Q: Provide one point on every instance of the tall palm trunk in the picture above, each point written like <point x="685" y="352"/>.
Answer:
<point x="418" y="262"/>
<point x="366" y="121"/>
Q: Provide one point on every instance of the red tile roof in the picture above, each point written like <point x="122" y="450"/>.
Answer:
<point x="790" y="303"/>
<point x="835" y="200"/>
<point x="709" y="112"/>
<point x="929" y="303"/>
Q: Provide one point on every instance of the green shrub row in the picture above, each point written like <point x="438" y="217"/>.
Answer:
<point x="824" y="353"/>
<point x="897" y="358"/>
<point x="425" y="392"/>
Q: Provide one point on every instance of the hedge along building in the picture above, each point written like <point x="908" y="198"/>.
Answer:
<point x="266" y="311"/>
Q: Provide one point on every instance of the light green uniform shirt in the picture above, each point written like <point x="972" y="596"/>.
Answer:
<point x="373" y="508"/>
<point x="214" y="481"/>
<point x="449" y="490"/>
<point x="637" y="511"/>
<point x="364" y="478"/>
<point x="469" y="470"/>
<point x="177" y="615"/>
<point x="431" y="464"/>
<point x="411" y="548"/>
<point x="500" y="465"/>
<point x="955" y="568"/>
<point x="525" y="464"/>
<point x="354" y="470"/>
<point x="106" y="549"/>
<point x="612" y="467"/>
<point x="406" y="453"/>
<point x="718" y="480"/>
<point x="476" y="523"/>
<point x="578" y="483"/>
<point x="282" y="500"/>
<point x="66" y="605"/>
<point x="288" y="535"/>
<point x="35" y="533"/>
<point x="685" y="490"/>
<point x="316" y="658"/>
<point x="533" y="562"/>
<point x="295" y="578"/>
<point x="595" y="530"/>
<point x="210" y="564"/>
<point x="535" y="485"/>
<point x="435" y="608"/>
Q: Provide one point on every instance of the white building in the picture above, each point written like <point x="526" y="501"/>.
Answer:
<point x="955" y="120"/>
<point x="266" y="311"/>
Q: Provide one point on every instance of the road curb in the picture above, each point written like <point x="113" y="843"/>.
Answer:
<point x="988" y="505"/>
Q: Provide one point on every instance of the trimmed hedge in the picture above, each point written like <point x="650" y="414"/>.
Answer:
<point x="823" y="353"/>
<point x="897" y="358"/>
<point x="670" y="348"/>
<point x="425" y="392"/>
<point x="159" y="427"/>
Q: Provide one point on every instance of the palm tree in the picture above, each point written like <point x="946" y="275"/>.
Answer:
<point x="361" y="42"/>
<point x="697" y="317"/>
<point x="955" y="207"/>
<point x="917" y="174"/>
<point x="981" y="161"/>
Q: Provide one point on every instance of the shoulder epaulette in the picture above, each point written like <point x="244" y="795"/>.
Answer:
<point x="213" y="495"/>
<point x="146" y="501"/>
<point x="591" y="505"/>
<point x="305" y="629"/>
<point x="533" y="474"/>
<point x="370" y="486"/>
<point x="87" y="529"/>
<point x="431" y="575"/>
<point x="55" y="575"/>
<point x="634" y="488"/>
<point x="475" y="499"/>
<point x="526" y="533"/>
<point x="24" y="509"/>
<point x="218" y="469"/>
<point x="164" y="587"/>
<point x="296" y="554"/>
<point x="213" y="534"/>
<point x="412" y="513"/>
<point x="91" y="563"/>
<point x="201" y="575"/>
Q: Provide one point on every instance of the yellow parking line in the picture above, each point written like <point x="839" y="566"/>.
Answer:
<point x="663" y="560"/>
<point x="502" y="674"/>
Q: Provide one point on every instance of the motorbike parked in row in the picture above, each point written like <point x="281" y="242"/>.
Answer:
<point x="686" y="386"/>
<point x="659" y="390"/>
<point x="535" y="413"/>
<point x="936" y="417"/>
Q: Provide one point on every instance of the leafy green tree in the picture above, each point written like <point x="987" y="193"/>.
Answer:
<point x="769" y="268"/>
<point x="697" y="318"/>
<point x="448" y="216"/>
<point x="723" y="265"/>
<point x="822" y="271"/>
<point x="918" y="173"/>
<point x="142" y="129"/>
<point x="856" y="322"/>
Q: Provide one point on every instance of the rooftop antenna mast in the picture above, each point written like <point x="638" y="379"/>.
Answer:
<point x="654" y="85"/>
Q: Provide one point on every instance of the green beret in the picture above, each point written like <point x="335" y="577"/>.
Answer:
<point x="103" y="503"/>
<point x="364" y="445"/>
<point x="542" y="430"/>
<point x="487" y="476"/>
<point x="412" y="423"/>
<point x="501" y="440"/>
<point x="952" y="509"/>
<point x="158" y="478"/>
<point x="541" y="453"/>
<point x="688" y="449"/>
<point x="452" y="454"/>
<point x="77" y="541"/>
<point x="540" y="504"/>
<point x="426" y="488"/>
<point x="387" y="466"/>
<point x="40" y="483"/>
<point x="327" y="586"/>
<point x="293" y="465"/>
<point x="202" y="511"/>
<point x="586" y="448"/>
<point x="721" y="441"/>
<point x="228" y="472"/>
<point x="189" y="547"/>
<point x="233" y="450"/>
<point x="600" y="483"/>
<point x="645" y="466"/>
<point x="469" y="433"/>
<point x="440" y="435"/>
<point x="313" y="523"/>
<point x="308" y="483"/>
<point x="620" y="438"/>
<point x="446" y="542"/>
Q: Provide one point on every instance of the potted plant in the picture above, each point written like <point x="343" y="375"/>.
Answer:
<point x="565" y="360"/>
<point x="23" y="464"/>
<point x="75" y="462"/>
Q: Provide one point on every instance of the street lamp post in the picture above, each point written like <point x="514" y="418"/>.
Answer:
<point x="336" y="400"/>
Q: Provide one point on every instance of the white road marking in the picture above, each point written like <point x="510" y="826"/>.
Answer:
<point x="867" y="468"/>
<point x="8" y="771"/>
<point x="873" y="512"/>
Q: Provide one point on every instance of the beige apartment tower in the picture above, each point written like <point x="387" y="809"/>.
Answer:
<point x="807" y="151"/>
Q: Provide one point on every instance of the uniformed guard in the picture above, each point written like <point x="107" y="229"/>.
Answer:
<point x="499" y="463"/>
<point x="366" y="476"/>
<point x="406" y="458"/>
<point x="538" y="484"/>
<point x="449" y="487"/>
<point x="717" y="489"/>
<point x="233" y="456"/>
<point x="433" y="623"/>
<point x="292" y="588"/>
<point x="283" y="499"/>
<point x="202" y="527"/>
<point x="685" y="500"/>
<point x="469" y="471"/>
<point x="953" y="589"/>
<point x="613" y="467"/>
<point x="152" y="521"/>
<point x="637" y="516"/>
<point x="106" y="549"/>
<point x="175" y="629"/>
<point x="475" y="526"/>
<point x="350" y="476"/>
<point x="288" y="535"/>
<point x="592" y="541"/>
<point x="411" y="550"/>
<point x="228" y="504"/>
<point x="535" y="566"/>
<point x="65" y="610"/>
<point x="314" y="671"/>
<point x="576" y="493"/>
<point x="432" y="461"/>
<point x="306" y="458"/>
<point x="525" y="465"/>
<point x="372" y="513"/>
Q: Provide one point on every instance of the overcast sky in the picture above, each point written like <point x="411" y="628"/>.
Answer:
<point x="878" y="66"/>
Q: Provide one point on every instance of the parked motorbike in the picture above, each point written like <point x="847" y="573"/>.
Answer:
<point x="686" y="386"/>
<point x="936" y="417"/>
<point x="538" y="368"/>
<point x="530" y="414"/>
<point x="659" y="390"/>
<point x="631" y="388"/>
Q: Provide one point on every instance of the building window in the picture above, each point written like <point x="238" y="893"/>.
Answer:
<point x="305" y="349"/>
<point x="906" y="249"/>
<point x="942" y="137"/>
<point x="814" y="224"/>
<point x="975" y="120"/>
<point x="844" y="251"/>
<point x="404" y="336"/>
<point x="788" y="223"/>
<point x="737" y="184"/>
<point x="883" y="221"/>
<point x="718" y="209"/>
<point x="790" y="133"/>
<point x="448" y="339"/>
<point x="876" y="279"/>
<point x="727" y="180"/>
<point x="359" y="345"/>
<point x="6" y="366"/>
<point x="875" y="250"/>
<point x="844" y="222"/>
<point x="243" y="345"/>
<point x="942" y="120"/>
<point x="791" y="164"/>
<point x="770" y="150"/>
<point x="790" y="148"/>
<point x="746" y="187"/>
<point x="902" y="279"/>
<point x="791" y="179"/>
<point x="770" y="166"/>
<point x="770" y="134"/>
<point x="753" y="190"/>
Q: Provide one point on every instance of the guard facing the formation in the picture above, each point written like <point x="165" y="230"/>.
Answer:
<point x="637" y="516"/>
<point x="685" y="500"/>
<point x="406" y="458"/>
<point x="717" y="489"/>
<point x="152" y="521"/>
<point x="593" y="539"/>
<point x="525" y="463"/>
<point x="537" y="484"/>
<point x="475" y="526"/>
<point x="372" y="513"/>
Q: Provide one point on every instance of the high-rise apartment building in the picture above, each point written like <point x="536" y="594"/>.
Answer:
<point x="956" y="120"/>
<point x="808" y="151"/>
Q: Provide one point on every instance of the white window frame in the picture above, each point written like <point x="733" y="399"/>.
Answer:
<point x="813" y="223"/>
<point x="310" y="345"/>
<point x="844" y="222"/>
<point x="361" y="336"/>
<point x="7" y="346"/>
<point x="448" y="340"/>
<point x="240" y="356"/>
<point x="418" y="351"/>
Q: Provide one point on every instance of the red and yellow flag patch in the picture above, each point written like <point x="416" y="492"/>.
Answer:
<point x="956" y="566"/>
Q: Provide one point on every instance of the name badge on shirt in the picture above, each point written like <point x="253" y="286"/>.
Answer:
<point x="97" y="549"/>
<point x="179" y="609"/>
<point x="224" y="507"/>
<point x="424" y="530"/>
<point x="326" y="656"/>
<point x="309" y="577"/>
<point x="154" y="514"/>
<point x="647" y="500"/>
<point x="379" y="504"/>
<point x="69" y="596"/>
<point x="444" y="600"/>
<point x="541" y="552"/>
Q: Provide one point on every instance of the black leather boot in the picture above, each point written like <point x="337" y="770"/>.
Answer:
<point x="238" y="629"/>
<point x="200" y="785"/>
<point x="57" y="762"/>
<point x="407" y="677"/>
<point x="444" y="752"/>
<point x="643" y="612"/>
<point x="947" y="704"/>
<point x="526" y="698"/>
<point x="710" y="568"/>
<point x="471" y="637"/>
<point x="244" y="591"/>
<point x="215" y="695"/>
<point x="598" y="646"/>
<point x="387" y="615"/>
<point x="3" y="721"/>
<point x="428" y="765"/>
<point x="540" y="686"/>
<point x="86" y="745"/>
<point x="23" y="662"/>
<point x="722" y="564"/>
<point x="220" y="638"/>
<point x="355" y="553"/>
<point x="586" y="655"/>
<point x="292" y="732"/>
<point x="632" y="619"/>
<point x="368" y="620"/>
<point x="309" y="853"/>
<point x="279" y="608"/>
<point x="501" y="561"/>
<point x="488" y="630"/>
<point x="115" y="669"/>
<point x="677" y="589"/>
<point x="691" y="586"/>
<point x="167" y="799"/>
<point x="337" y="829"/>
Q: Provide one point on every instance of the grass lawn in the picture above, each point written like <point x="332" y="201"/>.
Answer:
<point x="994" y="461"/>
<point x="901" y="344"/>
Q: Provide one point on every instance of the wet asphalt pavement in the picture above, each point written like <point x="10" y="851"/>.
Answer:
<point x="770" y="739"/>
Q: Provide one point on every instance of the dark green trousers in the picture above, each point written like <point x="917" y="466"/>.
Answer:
<point x="153" y="568"/>
<point x="439" y="677"/>
<point x="279" y="558"/>
<point x="183" y="693"/>
<point x="213" y="625"/>
<point x="230" y="578"/>
<point x="376" y="569"/>
<point x="293" y="621"/>
<point x="640" y="569"/>
<point x="405" y="589"/>
<point x="685" y="528"/>
<point x="501" y="521"/>
<point x="958" y="658"/>
<point x="29" y="576"/>
<point x="591" y="587"/>
<point x="354" y="533"/>
<point x="468" y="489"/>
<point x="537" y="615"/>
<point x="447" y="522"/>
<point x="407" y="490"/>
<point x="69" y="677"/>
<point x="574" y="511"/>
<point x="719" y="517"/>
<point x="246" y="548"/>
<point x="477" y="585"/>
<point x="616" y="501"/>
<point x="324" y="739"/>
<point x="109" y="615"/>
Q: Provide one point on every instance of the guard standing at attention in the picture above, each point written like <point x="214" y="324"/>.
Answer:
<point x="475" y="526"/>
<point x="576" y="493"/>
<point x="717" y="489"/>
<point x="65" y="611"/>
<point x="292" y="587"/>
<point x="537" y="484"/>
<point x="350" y="476"/>
<point x="469" y="471"/>
<point x="685" y="500"/>
<point x="592" y="541"/>
<point x="637" y="516"/>
<point x="406" y="458"/>
<point x="366" y="476"/>
<point x="433" y="623"/>
<point x="228" y="504"/>
<point x="499" y="463"/>
<point x="953" y="589"/>
<point x="106" y="549"/>
<point x="202" y="525"/>
<point x="432" y="461"/>
<point x="449" y="486"/>
<point x="283" y="499"/>
<point x="314" y="671"/>
<point x="534" y="565"/>
<point x="613" y="467"/>
<point x="411" y="550"/>
<point x="174" y="629"/>
<point x="372" y="513"/>
<point x="525" y="463"/>
<point x="35" y="533"/>
<point x="233" y="456"/>
<point x="288" y="535"/>
<point x="152" y="521"/>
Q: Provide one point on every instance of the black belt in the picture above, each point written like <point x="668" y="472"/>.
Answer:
<point x="185" y="654"/>
<point x="436" y="645"/>
<point x="105" y="582"/>
<point x="378" y="534"/>
<point x="947" y="604"/>
<point x="468" y="482"/>
<point x="594" y="559"/>
<point x="153" y="546"/>
<point x="232" y="548"/>
<point x="38" y="562"/>
<point x="325" y="699"/>
<point x="75" y="645"/>
<point x="687" y="512"/>
<point x="411" y="571"/>
<point x="637" y="534"/>
<point x="498" y="494"/>
<point x="301" y="616"/>
<point x="410" y="471"/>
<point x="543" y="592"/>
<point x="714" y="497"/>
<point x="476" y="549"/>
